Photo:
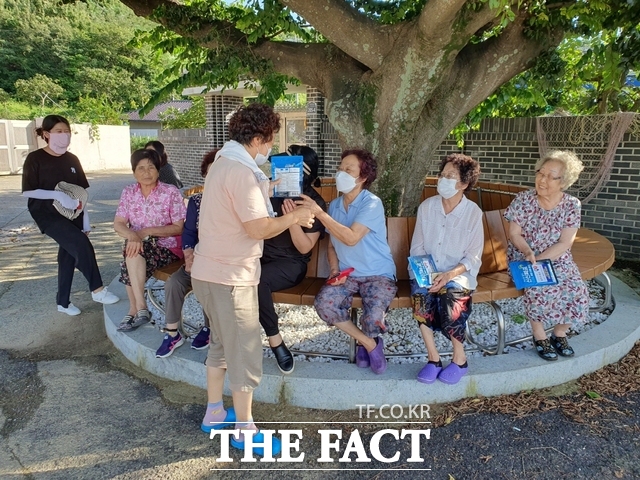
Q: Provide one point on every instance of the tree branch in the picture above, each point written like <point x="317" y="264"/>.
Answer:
<point x="353" y="33"/>
<point x="481" y="68"/>
<point x="321" y="65"/>
<point x="209" y="33"/>
<point x="438" y="16"/>
<point x="485" y="17"/>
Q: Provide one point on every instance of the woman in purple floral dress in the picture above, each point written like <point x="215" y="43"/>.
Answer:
<point x="543" y="225"/>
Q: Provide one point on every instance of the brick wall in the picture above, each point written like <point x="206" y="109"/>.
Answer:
<point x="315" y="117"/>
<point x="186" y="148"/>
<point x="507" y="150"/>
<point x="615" y="211"/>
<point x="320" y="134"/>
<point x="332" y="149"/>
<point x="218" y="109"/>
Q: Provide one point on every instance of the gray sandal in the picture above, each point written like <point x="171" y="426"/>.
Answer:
<point x="126" y="322"/>
<point x="143" y="316"/>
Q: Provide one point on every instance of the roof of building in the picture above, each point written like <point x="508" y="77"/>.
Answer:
<point x="241" y="90"/>
<point x="153" y="115"/>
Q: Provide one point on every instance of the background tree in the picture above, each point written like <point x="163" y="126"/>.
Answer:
<point x="84" y="47"/>
<point x="39" y="88"/>
<point x="4" y="96"/>
<point x="398" y="76"/>
<point x="193" y="117"/>
<point x="583" y="76"/>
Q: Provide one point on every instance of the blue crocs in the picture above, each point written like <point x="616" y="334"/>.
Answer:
<point x="229" y="421"/>
<point x="276" y="445"/>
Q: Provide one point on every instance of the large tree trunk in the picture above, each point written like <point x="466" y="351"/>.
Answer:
<point x="396" y="90"/>
<point x="408" y="107"/>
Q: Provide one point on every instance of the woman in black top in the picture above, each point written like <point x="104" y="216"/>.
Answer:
<point x="285" y="256"/>
<point x="166" y="174"/>
<point x="42" y="171"/>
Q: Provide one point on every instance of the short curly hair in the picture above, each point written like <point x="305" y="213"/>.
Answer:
<point x="207" y="160"/>
<point x="572" y="165"/>
<point x="468" y="168"/>
<point x="253" y="120"/>
<point x="367" y="163"/>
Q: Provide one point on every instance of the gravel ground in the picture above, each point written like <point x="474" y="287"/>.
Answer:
<point x="303" y="330"/>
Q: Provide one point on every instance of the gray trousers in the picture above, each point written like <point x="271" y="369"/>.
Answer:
<point x="175" y="289"/>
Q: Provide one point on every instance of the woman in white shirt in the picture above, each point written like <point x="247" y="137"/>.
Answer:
<point x="449" y="228"/>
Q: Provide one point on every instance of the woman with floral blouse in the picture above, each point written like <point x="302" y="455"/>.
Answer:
<point x="150" y="217"/>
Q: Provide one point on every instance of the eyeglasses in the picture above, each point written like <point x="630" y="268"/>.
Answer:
<point x="449" y="177"/>
<point x="547" y="176"/>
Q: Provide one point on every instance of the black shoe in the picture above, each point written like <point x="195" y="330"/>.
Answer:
<point x="545" y="350"/>
<point x="284" y="358"/>
<point x="562" y="346"/>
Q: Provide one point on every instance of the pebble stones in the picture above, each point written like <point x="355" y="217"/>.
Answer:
<point x="303" y="330"/>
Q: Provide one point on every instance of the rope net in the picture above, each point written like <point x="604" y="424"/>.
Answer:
<point x="594" y="138"/>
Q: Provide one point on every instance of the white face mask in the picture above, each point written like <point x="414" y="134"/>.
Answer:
<point x="345" y="182"/>
<point x="260" y="158"/>
<point x="447" y="187"/>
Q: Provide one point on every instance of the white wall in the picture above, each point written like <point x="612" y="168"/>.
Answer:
<point x="110" y="149"/>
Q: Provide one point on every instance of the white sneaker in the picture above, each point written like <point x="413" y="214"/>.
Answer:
<point x="104" y="296"/>
<point x="71" y="310"/>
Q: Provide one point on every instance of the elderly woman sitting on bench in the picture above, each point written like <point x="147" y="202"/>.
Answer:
<point x="359" y="258"/>
<point x="543" y="224"/>
<point x="449" y="228"/>
<point x="150" y="217"/>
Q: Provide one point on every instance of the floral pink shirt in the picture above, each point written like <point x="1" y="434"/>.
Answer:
<point x="162" y="207"/>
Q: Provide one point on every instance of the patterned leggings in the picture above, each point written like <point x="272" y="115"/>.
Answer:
<point x="446" y="311"/>
<point x="333" y="302"/>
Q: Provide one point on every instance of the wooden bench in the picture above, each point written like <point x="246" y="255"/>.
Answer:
<point x="593" y="253"/>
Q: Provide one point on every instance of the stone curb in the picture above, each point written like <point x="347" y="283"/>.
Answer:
<point x="342" y="386"/>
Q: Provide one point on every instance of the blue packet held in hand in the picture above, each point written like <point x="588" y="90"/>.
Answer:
<point x="289" y="170"/>
<point x="526" y="275"/>
<point x="423" y="268"/>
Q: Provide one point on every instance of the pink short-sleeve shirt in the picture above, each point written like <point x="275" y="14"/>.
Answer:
<point x="162" y="207"/>
<point x="225" y="253"/>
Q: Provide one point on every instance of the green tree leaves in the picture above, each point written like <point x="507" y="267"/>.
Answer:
<point x="193" y="117"/>
<point x="76" y="54"/>
<point x="38" y="88"/>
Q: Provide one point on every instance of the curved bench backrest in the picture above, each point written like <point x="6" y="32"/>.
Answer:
<point x="488" y="196"/>
<point x="400" y="233"/>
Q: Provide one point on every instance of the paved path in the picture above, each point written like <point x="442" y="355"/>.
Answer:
<point x="28" y="271"/>
<point x="73" y="407"/>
